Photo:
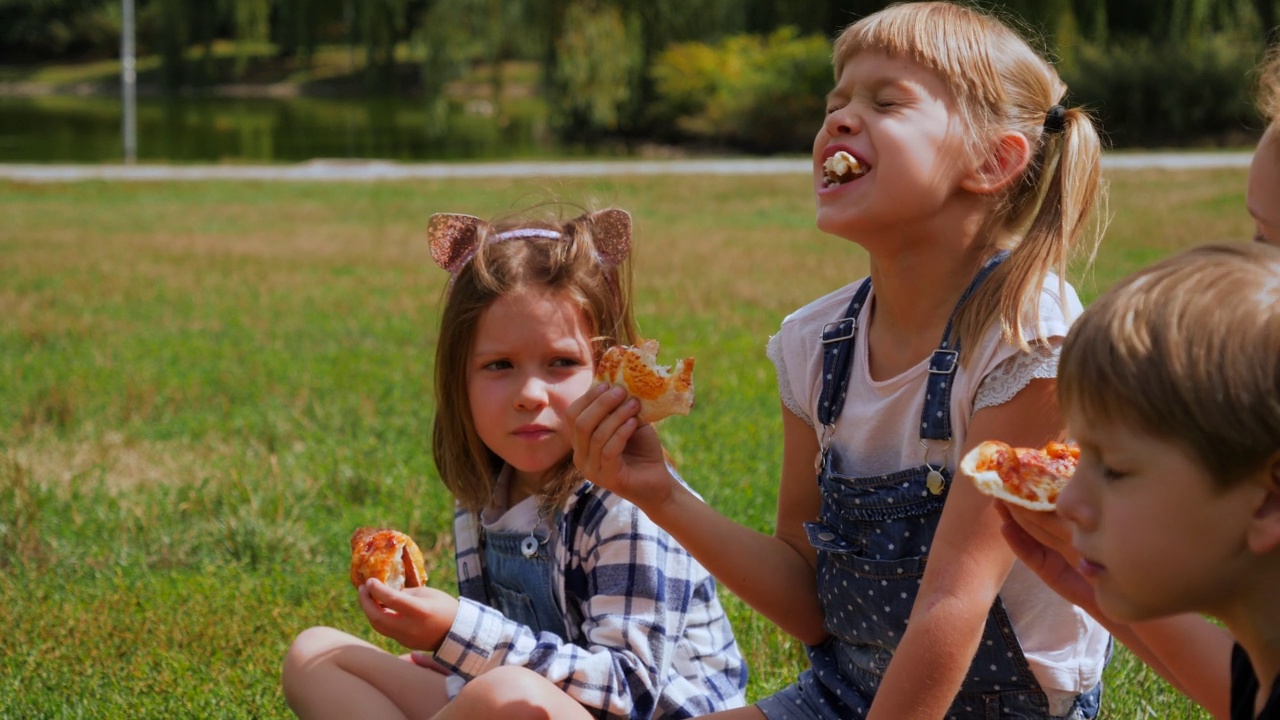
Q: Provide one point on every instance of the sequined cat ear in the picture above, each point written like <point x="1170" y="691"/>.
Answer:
<point x="611" y="229"/>
<point x="452" y="239"/>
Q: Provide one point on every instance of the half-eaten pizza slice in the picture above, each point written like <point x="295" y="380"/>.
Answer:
<point x="1030" y="477"/>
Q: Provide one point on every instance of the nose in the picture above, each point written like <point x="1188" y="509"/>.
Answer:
<point x="1073" y="502"/>
<point x="532" y="393"/>
<point x="843" y="121"/>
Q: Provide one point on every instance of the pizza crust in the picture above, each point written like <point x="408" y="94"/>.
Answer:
<point x="1043" y="488"/>
<point x="662" y="391"/>
<point x="388" y="555"/>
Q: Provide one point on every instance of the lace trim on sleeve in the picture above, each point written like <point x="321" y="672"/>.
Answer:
<point x="1015" y="372"/>
<point x="774" y="352"/>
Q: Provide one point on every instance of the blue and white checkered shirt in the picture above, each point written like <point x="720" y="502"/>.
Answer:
<point x="648" y="637"/>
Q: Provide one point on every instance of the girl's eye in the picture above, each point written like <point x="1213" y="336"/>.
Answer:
<point x="497" y="365"/>
<point x="1109" y="473"/>
<point x="566" y="362"/>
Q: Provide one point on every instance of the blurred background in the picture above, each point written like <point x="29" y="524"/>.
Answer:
<point x="252" y="81"/>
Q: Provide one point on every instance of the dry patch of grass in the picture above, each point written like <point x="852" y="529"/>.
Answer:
<point x="114" y="460"/>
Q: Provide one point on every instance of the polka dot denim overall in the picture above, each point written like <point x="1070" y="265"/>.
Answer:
<point x="873" y="537"/>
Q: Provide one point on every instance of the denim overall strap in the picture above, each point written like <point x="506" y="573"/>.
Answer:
<point x="837" y="355"/>
<point x="838" y="339"/>
<point x="935" y="417"/>
<point x="520" y="583"/>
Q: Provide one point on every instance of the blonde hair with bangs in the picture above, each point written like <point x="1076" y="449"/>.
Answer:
<point x="1000" y="84"/>
<point x="568" y="266"/>
<point x="1188" y="350"/>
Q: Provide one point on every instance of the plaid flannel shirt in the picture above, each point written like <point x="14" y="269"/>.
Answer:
<point x="647" y="635"/>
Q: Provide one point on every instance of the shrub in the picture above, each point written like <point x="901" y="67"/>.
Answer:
<point x="1169" y="93"/>
<point x="764" y="94"/>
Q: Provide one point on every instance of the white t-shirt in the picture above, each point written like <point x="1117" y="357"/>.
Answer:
<point x="879" y="429"/>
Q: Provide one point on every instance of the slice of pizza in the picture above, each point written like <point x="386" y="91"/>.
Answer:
<point x="1030" y="477"/>
<point x="662" y="391"/>
<point x="389" y="555"/>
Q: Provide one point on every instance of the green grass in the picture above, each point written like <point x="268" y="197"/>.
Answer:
<point x="207" y="386"/>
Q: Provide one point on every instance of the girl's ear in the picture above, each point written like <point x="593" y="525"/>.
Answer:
<point x="1264" y="527"/>
<point x="1007" y="156"/>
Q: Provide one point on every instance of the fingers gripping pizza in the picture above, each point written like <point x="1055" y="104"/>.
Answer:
<point x="662" y="391"/>
<point x="388" y="555"/>
<point x="1030" y="477"/>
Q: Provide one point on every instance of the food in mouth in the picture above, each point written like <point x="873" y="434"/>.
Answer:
<point x="842" y="168"/>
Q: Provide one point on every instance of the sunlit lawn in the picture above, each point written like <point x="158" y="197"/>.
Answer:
<point x="207" y="386"/>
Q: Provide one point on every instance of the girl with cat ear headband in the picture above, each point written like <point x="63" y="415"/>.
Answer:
<point x="454" y="238"/>
<point x="570" y="599"/>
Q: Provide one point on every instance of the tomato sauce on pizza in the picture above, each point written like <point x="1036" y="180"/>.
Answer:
<point x="1030" y="477"/>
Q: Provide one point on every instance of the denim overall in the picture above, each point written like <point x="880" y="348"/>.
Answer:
<point x="873" y="537"/>
<point x="518" y="573"/>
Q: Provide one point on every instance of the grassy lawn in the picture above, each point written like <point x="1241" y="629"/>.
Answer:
<point x="208" y="386"/>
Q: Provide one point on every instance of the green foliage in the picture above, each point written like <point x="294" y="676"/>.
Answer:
<point x="682" y="69"/>
<point x="759" y="93"/>
<point x="597" y="63"/>
<point x="51" y="28"/>
<point x="1152" y="94"/>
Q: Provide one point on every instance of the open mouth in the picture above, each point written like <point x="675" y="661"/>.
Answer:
<point x="841" y="168"/>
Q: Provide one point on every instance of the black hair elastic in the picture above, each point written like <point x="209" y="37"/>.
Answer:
<point x="1055" y="121"/>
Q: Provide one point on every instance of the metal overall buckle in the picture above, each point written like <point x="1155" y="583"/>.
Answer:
<point x="820" y="460"/>
<point x="934" y="481"/>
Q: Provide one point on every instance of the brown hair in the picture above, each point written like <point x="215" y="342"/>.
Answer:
<point x="1001" y="84"/>
<point x="1187" y="349"/>
<point x="569" y="266"/>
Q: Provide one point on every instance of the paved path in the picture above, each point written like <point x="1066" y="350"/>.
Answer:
<point x="360" y="170"/>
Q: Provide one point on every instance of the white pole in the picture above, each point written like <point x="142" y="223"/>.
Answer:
<point x="129" y="84"/>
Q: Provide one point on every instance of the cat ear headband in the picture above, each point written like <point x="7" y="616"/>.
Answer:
<point x="454" y="238"/>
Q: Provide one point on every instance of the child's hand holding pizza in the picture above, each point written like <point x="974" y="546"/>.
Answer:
<point x="614" y="443"/>
<point x="1036" y="538"/>
<point x="388" y="570"/>
<point x="1027" y="482"/>
<point x="417" y="618"/>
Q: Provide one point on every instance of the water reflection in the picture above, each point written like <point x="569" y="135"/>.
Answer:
<point x="255" y="130"/>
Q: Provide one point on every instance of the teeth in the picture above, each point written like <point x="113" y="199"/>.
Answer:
<point x="841" y="168"/>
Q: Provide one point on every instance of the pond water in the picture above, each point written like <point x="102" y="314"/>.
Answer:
<point x="67" y="129"/>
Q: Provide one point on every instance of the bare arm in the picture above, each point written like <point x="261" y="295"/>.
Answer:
<point x="967" y="566"/>
<point x="772" y="573"/>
